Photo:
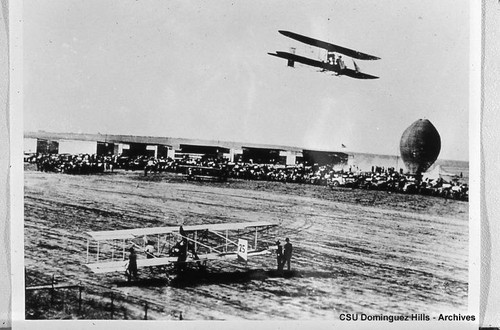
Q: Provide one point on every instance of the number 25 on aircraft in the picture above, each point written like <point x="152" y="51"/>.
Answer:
<point x="242" y="249"/>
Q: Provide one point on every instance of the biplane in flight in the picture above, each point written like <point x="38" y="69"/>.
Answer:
<point x="333" y="61"/>
<point x="175" y="248"/>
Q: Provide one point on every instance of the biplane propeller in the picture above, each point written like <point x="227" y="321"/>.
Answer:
<point x="332" y="63"/>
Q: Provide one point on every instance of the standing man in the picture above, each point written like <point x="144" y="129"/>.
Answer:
<point x="287" y="255"/>
<point x="279" y="255"/>
<point x="132" y="264"/>
<point x="183" y="250"/>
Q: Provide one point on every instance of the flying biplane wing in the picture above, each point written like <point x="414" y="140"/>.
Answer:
<point x="217" y="242"/>
<point x="323" y="65"/>
<point x="328" y="46"/>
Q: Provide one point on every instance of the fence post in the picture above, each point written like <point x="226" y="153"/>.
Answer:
<point x="112" y="304"/>
<point x="80" y="299"/>
<point x="63" y="301"/>
<point x="146" y="311"/>
<point x="52" y="292"/>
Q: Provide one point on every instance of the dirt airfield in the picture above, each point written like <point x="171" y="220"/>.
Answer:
<point x="355" y="251"/>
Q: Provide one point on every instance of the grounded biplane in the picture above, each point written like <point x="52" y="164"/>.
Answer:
<point x="332" y="62"/>
<point x="173" y="249"/>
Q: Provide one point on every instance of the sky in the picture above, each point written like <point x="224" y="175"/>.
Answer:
<point x="200" y="69"/>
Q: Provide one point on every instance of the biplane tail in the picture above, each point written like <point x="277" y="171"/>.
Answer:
<point x="291" y="63"/>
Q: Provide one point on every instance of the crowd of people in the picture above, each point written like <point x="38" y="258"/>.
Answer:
<point x="72" y="164"/>
<point x="379" y="178"/>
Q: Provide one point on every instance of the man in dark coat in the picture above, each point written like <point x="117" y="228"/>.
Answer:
<point x="287" y="255"/>
<point x="132" y="265"/>
<point x="279" y="255"/>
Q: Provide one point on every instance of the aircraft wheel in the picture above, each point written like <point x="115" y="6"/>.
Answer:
<point x="202" y="267"/>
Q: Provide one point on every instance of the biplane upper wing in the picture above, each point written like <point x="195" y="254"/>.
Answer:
<point x="328" y="46"/>
<point x="326" y="66"/>
<point x="125" y="234"/>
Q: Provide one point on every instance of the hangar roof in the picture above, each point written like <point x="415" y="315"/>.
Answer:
<point x="168" y="141"/>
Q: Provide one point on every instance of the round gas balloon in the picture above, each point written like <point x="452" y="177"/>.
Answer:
<point x="420" y="146"/>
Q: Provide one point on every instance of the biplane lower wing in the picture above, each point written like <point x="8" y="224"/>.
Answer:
<point x="300" y="59"/>
<point x="121" y="265"/>
<point x="323" y="65"/>
<point x="328" y="46"/>
<point x="356" y="74"/>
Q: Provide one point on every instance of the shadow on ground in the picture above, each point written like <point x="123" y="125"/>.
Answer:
<point x="197" y="278"/>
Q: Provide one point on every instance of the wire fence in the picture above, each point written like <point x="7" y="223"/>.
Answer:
<point x="67" y="300"/>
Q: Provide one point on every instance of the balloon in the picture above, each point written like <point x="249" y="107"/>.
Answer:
<point x="420" y="146"/>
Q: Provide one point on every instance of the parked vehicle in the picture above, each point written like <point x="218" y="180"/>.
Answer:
<point x="336" y="180"/>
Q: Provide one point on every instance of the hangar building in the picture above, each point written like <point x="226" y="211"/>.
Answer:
<point x="176" y="148"/>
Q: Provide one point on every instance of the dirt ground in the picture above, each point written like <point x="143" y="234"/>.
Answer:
<point x="354" y="250"/>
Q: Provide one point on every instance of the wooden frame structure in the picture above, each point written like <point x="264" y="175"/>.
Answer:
<point x="107" y="251"/>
